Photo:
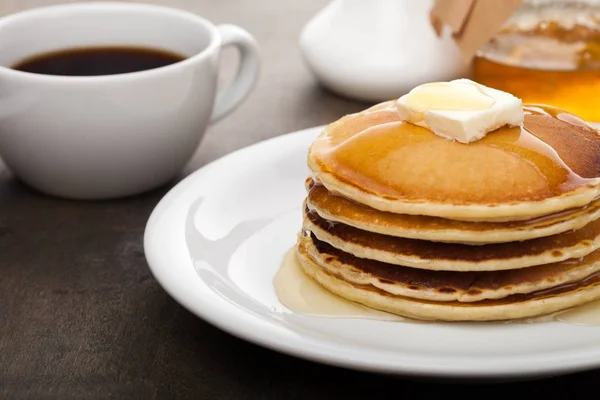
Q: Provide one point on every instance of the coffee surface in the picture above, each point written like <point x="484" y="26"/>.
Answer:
<point x="97" y="61"/>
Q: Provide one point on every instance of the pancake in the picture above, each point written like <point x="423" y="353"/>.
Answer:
<point x="550" y="164"/>
<point x="510" y="307"/>
<point x="506" y="227"/>
<point x="451" y="256"/>
<point x="465" y="287"/>
<point x="339" y="209"/>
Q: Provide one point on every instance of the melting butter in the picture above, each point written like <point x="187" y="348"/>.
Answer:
<point x="460" y="110"/>
<point x="448" y="96"/>
<point x="301" y="294"/>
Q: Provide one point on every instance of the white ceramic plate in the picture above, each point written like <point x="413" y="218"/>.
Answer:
<point x="216" y="240"/>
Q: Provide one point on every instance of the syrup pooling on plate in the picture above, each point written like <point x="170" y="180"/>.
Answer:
<point x="380" y="154"/>
<point x="587" y="314"/>
<point x="299" y="293"/>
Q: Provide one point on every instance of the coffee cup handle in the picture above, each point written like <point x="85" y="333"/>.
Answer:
<point x="230" y="97"/>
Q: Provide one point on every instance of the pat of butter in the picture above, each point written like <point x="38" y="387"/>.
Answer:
<point x="460" y="110"/>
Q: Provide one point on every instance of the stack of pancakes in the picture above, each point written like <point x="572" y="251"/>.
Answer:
<point x="404" y="221"/>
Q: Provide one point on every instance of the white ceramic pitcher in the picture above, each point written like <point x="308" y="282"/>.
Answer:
<point x="378" y="50"/>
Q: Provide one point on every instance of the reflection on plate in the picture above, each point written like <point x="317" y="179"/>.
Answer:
<point x="216" y="241"/>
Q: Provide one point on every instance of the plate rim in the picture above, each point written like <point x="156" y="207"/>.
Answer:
<point x="560" y="362"/>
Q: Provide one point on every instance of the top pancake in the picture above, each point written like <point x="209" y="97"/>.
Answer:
<point x="550" y="164"/>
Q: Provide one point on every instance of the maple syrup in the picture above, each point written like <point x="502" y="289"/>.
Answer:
<point x="301" y="294"/>
<point x="402" y="160"/>
<point x="547" y="53"/>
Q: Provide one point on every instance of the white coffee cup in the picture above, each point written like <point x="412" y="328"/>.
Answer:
<point x="110" y="136"/>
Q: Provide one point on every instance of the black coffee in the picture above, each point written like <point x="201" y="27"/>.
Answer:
<point x="98" y="61"/>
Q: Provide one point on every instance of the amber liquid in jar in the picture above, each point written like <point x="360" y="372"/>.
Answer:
<point x="548" y="55"/>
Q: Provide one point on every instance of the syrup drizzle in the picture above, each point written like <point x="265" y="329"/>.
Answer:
<point x="386" y="154"/>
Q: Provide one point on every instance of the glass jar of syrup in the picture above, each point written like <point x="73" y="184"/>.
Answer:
<point x="548" y="52"/>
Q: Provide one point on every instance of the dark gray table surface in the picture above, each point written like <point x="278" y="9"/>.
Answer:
<point x="81" y="317"/>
